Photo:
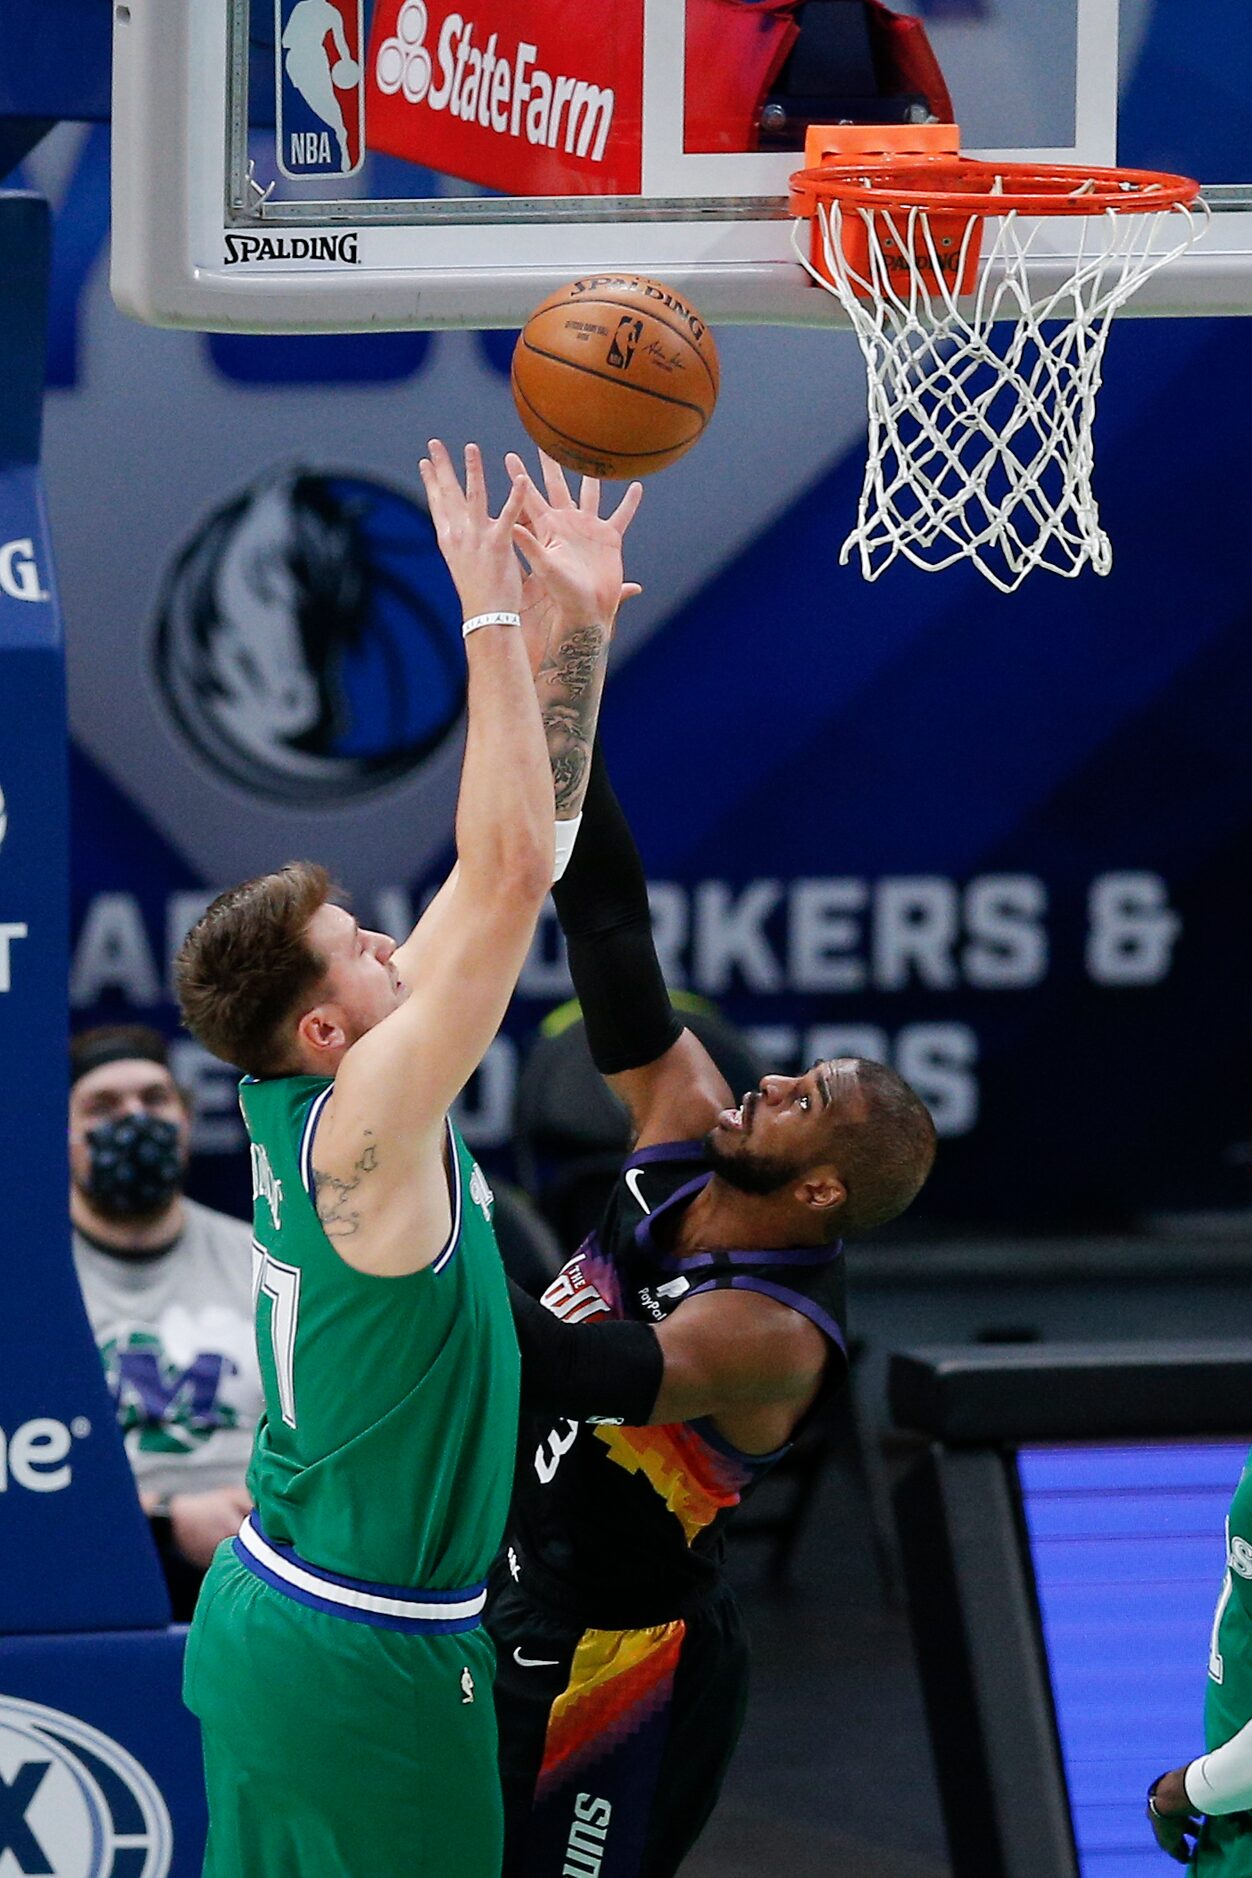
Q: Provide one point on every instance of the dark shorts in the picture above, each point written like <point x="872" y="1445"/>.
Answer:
<point x="613" y="1743"/>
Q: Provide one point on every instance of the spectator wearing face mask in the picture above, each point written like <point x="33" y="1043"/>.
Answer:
<point x="168" y="1289"/>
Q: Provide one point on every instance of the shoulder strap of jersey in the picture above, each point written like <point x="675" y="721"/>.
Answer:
<point x="819" y="1298"/>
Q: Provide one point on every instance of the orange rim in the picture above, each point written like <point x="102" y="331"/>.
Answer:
<point x="965" y="186"/>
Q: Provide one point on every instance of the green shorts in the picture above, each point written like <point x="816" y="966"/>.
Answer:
<point x="333" y="1749"/>
<point x="1224" y="1849"/>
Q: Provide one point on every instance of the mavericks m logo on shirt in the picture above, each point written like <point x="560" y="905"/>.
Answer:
<point x="174" y="1407"/>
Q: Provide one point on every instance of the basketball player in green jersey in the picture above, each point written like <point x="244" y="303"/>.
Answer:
<point x="1219" y="1784"/>
<point x="336" y="1661"/>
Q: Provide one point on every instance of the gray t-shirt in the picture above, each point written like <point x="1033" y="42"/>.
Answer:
<point x="176" y="1337"/>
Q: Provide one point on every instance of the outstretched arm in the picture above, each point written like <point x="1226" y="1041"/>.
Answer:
<point x="570" y="597"/>
<point x="663" y="1073"/>
<point x="381" y="1141"/>
<point x="719" y="1354"/>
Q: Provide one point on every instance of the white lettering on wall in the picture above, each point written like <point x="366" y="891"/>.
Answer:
<point x="33" y="1456"/>
<point x="823" y="933"/>
<point x="838" y="937"/>
<point x="213" y="1089"/>
<point x="19" y="574"/>
<point x="113" y="953"/>
<point x="915" y="928"/>
<point x="730" y="936"/>
<point x="939" y="1061"/>
<point x="1008" y="944"/>
<point x="1131" y="930"/>
<point x="10" y="930"/>
<point x="182" y="910"/>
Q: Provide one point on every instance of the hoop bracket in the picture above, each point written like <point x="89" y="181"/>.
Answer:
<point x="948" y="248"/>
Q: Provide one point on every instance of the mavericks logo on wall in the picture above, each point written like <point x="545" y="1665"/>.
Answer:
<point x="308" y="640"/>
<point x="76" y="1804"/>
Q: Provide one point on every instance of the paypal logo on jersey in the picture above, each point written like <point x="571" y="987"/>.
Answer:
<point x="308" y="641"/>
<point x="73" y="1802"/>
<point x="321" y="89"/>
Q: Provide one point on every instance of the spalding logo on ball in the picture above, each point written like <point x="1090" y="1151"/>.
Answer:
<point x="615" y="375"/>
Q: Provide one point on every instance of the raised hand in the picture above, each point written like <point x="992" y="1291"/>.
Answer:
<point x="570" y="599"/>
<point x="478" y="548"/>
<point x="573" y="553"/>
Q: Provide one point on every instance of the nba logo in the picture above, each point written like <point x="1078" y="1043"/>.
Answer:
<point x="320" y="87"/>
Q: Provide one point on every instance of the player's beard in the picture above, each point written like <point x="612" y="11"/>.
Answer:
<point x="745" y="1171"/>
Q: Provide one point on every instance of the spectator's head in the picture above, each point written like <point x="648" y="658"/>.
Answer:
<point x="839" y="1150"/>
<point x="129" y="1130"/>
<point x="279" y="979"/>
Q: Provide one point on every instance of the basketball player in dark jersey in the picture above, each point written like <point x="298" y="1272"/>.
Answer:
<point x="669" y="1365"/>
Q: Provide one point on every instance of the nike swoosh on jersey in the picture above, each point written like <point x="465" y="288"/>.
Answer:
<point x="534" y="1662"/>
<point x="633" y="1177"/>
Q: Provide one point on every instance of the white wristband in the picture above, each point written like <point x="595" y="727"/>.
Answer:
<point x="489" y="619"/>
<point x="566" y="834"/>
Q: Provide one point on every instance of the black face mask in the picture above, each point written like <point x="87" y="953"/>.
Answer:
<point x="136" y="1166"/>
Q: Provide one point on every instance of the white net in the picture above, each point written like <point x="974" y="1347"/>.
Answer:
<point x="981" y="408"/>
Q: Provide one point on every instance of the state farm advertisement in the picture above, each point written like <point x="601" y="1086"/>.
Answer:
<point x="540" y="99"/>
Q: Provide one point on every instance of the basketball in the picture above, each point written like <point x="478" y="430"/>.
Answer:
<point x="345" y="72"/>
<point x="615" y="375"/>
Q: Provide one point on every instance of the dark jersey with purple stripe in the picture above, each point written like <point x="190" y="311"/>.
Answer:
<point x="625" y="1525"/>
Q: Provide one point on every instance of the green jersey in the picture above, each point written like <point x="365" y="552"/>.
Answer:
<point x="1224" y="1848"/>
<point x="1228" y="1702"/>
<point x="387" y="1444"/>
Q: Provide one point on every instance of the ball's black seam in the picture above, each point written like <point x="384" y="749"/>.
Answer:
<point x="580" y="443"/>
<point x="610" y="377"/>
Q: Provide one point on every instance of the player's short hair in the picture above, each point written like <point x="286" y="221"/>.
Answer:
<point x="883" y="1147"/>
<point x="246" y="969"/>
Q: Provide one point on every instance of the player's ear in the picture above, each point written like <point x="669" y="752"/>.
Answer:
<point x="321" y="1030"/>
<point x="821" y="1190"/>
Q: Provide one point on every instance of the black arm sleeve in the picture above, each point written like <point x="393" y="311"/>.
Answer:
<point x="602" y="903"/>
<point x="610" y="1370"/>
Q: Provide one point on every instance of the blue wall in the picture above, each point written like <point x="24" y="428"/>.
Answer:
<point x="1128" y="1556"/>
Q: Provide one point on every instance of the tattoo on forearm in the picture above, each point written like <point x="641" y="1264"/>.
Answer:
<point x="573" y="664"/>
<point x="569" y="681"/>
<point x="337" y="1200"/>
<point x="569" y="750"/>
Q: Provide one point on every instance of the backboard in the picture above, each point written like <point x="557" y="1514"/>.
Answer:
<point x="341" y="165"/>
